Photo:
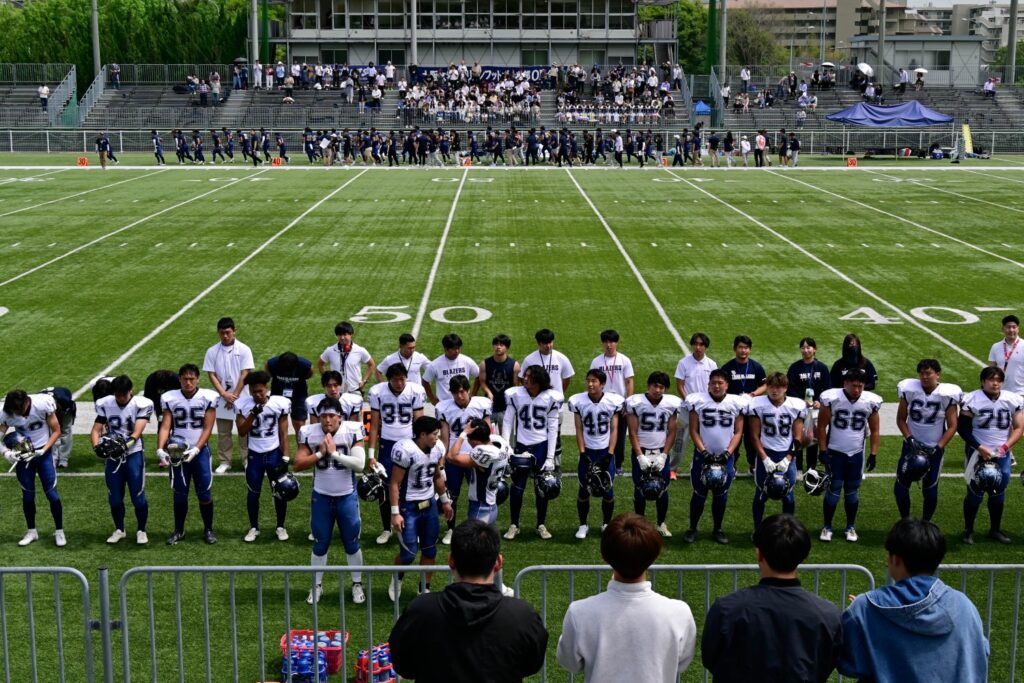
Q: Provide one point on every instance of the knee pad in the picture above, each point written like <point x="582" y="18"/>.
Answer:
<point x="351" y="545"/>
<point x="972" y="498"/>
<point x="139" y="500"/>
<point x="205" y="498"/>
<point x="321" y="546"/>
<point x="406" y="556"/>
<point x="429" y="551"/>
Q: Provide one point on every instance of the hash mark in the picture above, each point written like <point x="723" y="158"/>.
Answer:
<point x="1006" y="245"/>
<point x="583" y="244"/>
<point x="511" y="244"/>
<point x="654" y="244"/>
<point x="231" y="244"/>
<point x="193" y="245"/>
<point x="157" y="244"/>
<point x="936" y="245"/>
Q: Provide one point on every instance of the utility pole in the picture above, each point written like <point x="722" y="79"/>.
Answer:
<point x="880" y="71"/>
<point x="1011" y="46"/>
<point x="95" y="21"/>
<point x="254" y="23"/>
<point x="722" y="43"/>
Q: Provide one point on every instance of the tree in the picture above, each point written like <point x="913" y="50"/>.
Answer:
<point x="691" y="29"/>
<point x="999" y="61"/>
<point x="752" y="38"/>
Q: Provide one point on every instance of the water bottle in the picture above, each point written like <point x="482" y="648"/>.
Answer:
<point x="809" y="396"/>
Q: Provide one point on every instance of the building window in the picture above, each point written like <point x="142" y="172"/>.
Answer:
<point x="506" y="14"/>
<point x="304" y="14"/>
<point x="478" y="13"/>
<point x="563" y="15"/>
<point x="396" y="57"/>
<point x="338" y="14"/>
<point x="334" y="56"/>
<point x="424" y="14"/>
<point x="592" y="13"/>
<point x="535" y="57"/>
<point x="360" y="14"/>
<point x="620" y="14"/>
<point x="449" y="14"/>
<point x="391" y="14"/>
<point x="535" y="14"/>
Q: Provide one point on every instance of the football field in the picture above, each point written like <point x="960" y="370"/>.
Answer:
<point x="127" y="271"/>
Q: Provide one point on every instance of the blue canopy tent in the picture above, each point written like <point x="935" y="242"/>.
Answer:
<point x="701" y="108"/>
<point x="911" y="114"/>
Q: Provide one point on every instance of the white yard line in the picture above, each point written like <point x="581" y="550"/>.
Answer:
<point x="422" y="310"/>
<point x="838" y="273"/>
<point x="119" y="230"/>
<point x="217" y="283"/>
<point x="15" y="180"/>
<point x="989" y="175"/>
<point x="950" y="192"/>
<point x="79" y="194"/>
<point x="636" y="272"/>
<point x="933" y="231"/>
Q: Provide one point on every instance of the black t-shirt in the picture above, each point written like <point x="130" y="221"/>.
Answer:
<point x="293" y="387"/>
<point x="500" y="376"/>
<point x="744" y="378"/>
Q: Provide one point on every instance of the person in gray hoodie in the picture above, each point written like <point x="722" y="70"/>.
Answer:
<point x="469" y="631"/>
<point x="918" y="629"/>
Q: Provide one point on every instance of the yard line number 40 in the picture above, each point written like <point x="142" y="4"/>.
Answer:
<point x="940" y="315"/>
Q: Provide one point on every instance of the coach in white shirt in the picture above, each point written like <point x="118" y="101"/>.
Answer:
<point x="1008" y="355"/>
<point x="618" y="368"/>
<point x="228" y="363"/>
<point x="692" y="374"/>
<point x="347" y="358"/>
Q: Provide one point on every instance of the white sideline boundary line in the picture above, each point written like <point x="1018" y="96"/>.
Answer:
<point x="919" y="183"/>
<point x="119" y="230"/>
<point x="79" y="194"/>
<point x="902" y="219"/>
<point x="422" y="310"/>
<point x="217" y="283"/>
<point x="838" y="273"/>
<point x="632" y="266"/>
<point x="565" y="475"/>
<point x="38" y="175"/>
<point x="188" y="168"/>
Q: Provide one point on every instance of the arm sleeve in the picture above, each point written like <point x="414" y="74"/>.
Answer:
<point x="567" y="653"/>
<point x="552" y="430"/>
<point x="355" y="460"/>
<point x="965" y="428"/>
<point x="508" y="420"/>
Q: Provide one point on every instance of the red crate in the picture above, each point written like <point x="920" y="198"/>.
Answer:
<point x="332" y="653"/>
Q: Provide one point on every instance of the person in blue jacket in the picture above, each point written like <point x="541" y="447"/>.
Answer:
<point x="918" y="629"/>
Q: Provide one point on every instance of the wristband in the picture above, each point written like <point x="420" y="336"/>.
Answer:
<point x="395" y="510"/>
<point x="444" y="499"/>
<point x="371" y="452"/>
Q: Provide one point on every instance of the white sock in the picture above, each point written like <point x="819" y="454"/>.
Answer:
<point x="356" y="560"/>
<point x="318" y="561"/>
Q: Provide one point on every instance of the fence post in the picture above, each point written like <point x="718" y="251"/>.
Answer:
<point x="10" y="139"/>
<point x="105" y="625"/>
<point x="47" y="142"/>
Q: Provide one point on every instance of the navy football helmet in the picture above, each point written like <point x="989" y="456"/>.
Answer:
<point x="777" y="486"/>
<point x="987" y="478"/>
<point x="914" y="466"/>
<point x="111" y="446"/>
<point x="521" y="461"/>
<point x="501" y="491"/>
<point x="176" y="447"/>
<point x="816" y="482"/>
<point x="285" y="487"/>
<point x="547" y="485"/>
<point x="371" y="486"/>
<point x="599" y="480"/>
<point x="715" y="473"/>
<point x="652" y="484"/>
<point x="18" y="442"/>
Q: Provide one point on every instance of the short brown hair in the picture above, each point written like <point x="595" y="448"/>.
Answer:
<point x="777" y="379"/>
<point x="630" y="544"/>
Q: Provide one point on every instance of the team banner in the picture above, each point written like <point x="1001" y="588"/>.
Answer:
<point x="487" y="73"/>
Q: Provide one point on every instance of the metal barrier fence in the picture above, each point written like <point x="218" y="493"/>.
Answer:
<point x="34" y="625"/>
<point x="166" y="611"/>
<point x="63" y="107"/>
<point x="92" y="95"/>
<point x="170" y="74"/>
<point x="1002" y="619"/>
<point x="882" y="143"/>
<point x="33" y="74"/>
<point x="708" y="583"/>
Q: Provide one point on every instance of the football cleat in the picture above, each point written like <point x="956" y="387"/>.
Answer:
<point x="251" y="535"/>
<point x="826" y="535"/>
<point x="141" y="537"/>
<point x="282" y="533"/>
<point x="690" y="536"/>
<point x="512" y="532"/>
<point x="543" y="532"/>
<point x="384" y="537"/>
<point x="358" y="595"/>
<point x="59" y="538"/>
<point x="116" y="537"/>
<point x="719" y="537"/>
<point x="395" y="588"/>
<point x="851" y="535"/>
<point x="208" y="537"/>
<point x="314" y="594"/>
<point x="581" y="533"/>
<point x="31" y="536"/>
<point x="175" y="537"/>
<point x="447" y="538"/>
<point x="663" y="530"/>
<point x="1000" y="536"/>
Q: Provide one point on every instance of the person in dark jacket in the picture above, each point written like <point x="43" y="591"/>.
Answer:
<point x="469" y="628"/>
<point x="853" y="357"/>
<point x="808" y="378"/>
<point x="776" y="630"/>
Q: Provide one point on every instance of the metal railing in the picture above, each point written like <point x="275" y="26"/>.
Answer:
<point x="698" y="585"/>
<point x="92" y="95"/>
<point x="1005" y="613"/>
<point x="715" y="94"/>
<point x="63" y="104"/>
<point x="33" y="74"/>
<point x="171" y="74"/>
<point x="36" y="643"/>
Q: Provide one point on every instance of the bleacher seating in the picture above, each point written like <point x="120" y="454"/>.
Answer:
<point x="19" y="107"/>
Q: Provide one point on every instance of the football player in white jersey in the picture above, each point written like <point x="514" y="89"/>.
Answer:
<point x="653" y="419"/>
<point x="559" y="369"/>
<point x="351" y="402"/>
<point x="449" y="364"/>
<point x="596" y="414"/>
<point x="716" y="426"/>
<point x="413" y="361"/>
<point x="264" y="420"/>
<point x="991" y="423"/>
<point x="844" y="414"/>
<point x="776" y="425"/>
<point x="34" y="416"/>
<point x="189" y="412"/>
<point x="618" y="368"/>
<point x="124" y="415"/>
<point x="417" y="487"/>
<point x="334" y="449"/>
<point x="532" y="416"/>
<point x="348" y="358"/>
<point x="927" y="416"/>
<point x="485" y="455"/>
<point x="394" y="405"/>
<point x="454" y="414"/>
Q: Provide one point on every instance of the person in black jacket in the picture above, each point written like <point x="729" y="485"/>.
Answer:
<point x="776" y="630"/>
<point x="853" y="357"/>
<point x="469" y="628"/>
<point x="808" y="377"/>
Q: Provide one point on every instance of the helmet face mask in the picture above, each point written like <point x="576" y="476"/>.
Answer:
<point x="176" y="447"/>
<point x="521" y="461"/>
<point x="914" y="466"/>
<point x="547" y="485"/>
<point x="18" y="442"/>
<point x="816" y="482"/>
<point x="285" y="488"/>
<point x="987" y="478"/>
<point x="777" y="486"/>
<point x="715" y="473"/>
<point x="371" y="487"/>
<point x="599" y="481"/>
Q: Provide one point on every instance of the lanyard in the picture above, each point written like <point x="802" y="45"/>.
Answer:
<point x="343" y="354"/>
<point x="1007" y="355"/>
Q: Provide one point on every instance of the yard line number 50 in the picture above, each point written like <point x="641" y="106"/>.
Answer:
<point x="454" y="315"/>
